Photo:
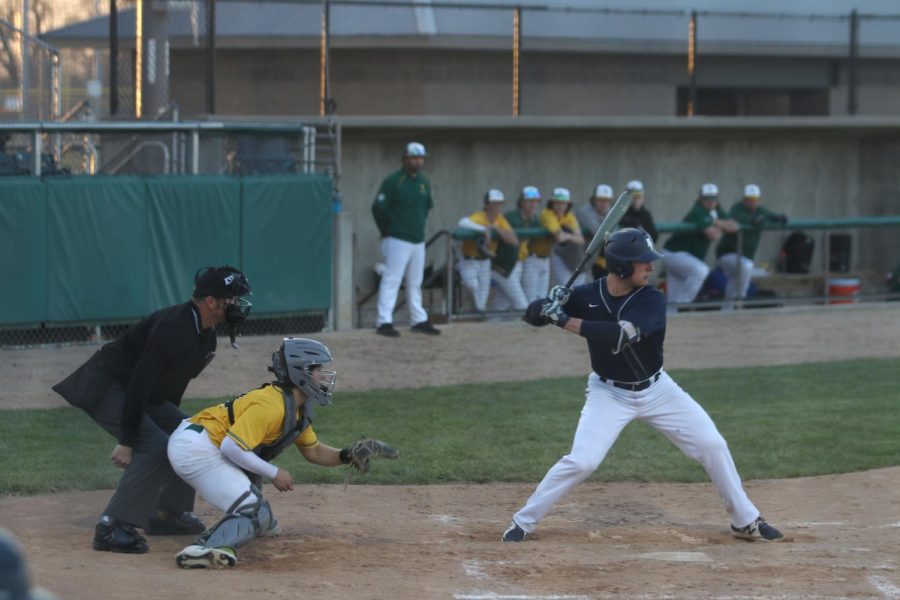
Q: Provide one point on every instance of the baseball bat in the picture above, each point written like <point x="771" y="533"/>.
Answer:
<point x="609" y="223"/>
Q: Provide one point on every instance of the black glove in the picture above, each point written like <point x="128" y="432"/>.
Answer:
<point x="554" y="311"/>
<point x="533" y="314"/>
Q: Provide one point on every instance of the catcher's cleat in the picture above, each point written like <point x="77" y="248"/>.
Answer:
<point x="166" y="523"/>
<point x="514" y="533"/>
<point x="114" y="536"/>
<point x="201" y="557"/>
<point x="757" y="530"/>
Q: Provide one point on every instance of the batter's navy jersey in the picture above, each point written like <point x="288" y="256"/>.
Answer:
<point x="645" y="307"/>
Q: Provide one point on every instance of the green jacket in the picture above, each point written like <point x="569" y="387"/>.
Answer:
<point x="694" y="242"/>
<point x="755" y="219"/>
<point x="402" y="205"/>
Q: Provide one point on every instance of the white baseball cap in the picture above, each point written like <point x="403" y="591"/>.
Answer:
<point x="635" y="187"/>
<point x="709" y="190"/>
<point x="494" y="195"/>
<point x="415" y="149"/>
<point x="603" y="191"/>
<point x="751" y="190"/>
<point x="529" y="192"/>
<point x="561" y="195"/>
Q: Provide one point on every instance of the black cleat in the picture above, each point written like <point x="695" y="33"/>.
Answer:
<point x="426" y="327"/>
<point x="387" y="330"/>
<point x="166" y="523"/>
<point x="514" y="533"/>
<point x="757" y="530"/>
<point x="114" y="536"/>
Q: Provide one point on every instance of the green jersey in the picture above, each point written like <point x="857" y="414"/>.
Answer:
<point x="402" y="205"/>
<point x="694" y="242"/>
<point x="745" y="217"/>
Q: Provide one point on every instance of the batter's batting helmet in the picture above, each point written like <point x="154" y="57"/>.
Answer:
<point x="293" y="365"/>
<point x="627" y="246"/>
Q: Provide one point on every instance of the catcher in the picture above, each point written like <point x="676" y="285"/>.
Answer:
<point x="220" y="449"/>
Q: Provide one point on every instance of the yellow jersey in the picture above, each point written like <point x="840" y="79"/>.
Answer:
<point x="470" y="247"/>
<point x="554" y="224"/>
<point x="258" y="420"/>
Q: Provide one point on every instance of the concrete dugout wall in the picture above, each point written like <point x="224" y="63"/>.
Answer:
<point x="806" y="167"/>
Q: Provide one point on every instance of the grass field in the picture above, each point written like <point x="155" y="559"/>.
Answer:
<point x="780" y="422"/>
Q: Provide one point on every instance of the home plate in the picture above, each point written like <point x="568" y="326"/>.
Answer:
<point x="676" y="556"/>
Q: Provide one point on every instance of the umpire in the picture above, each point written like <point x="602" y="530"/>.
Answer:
<point x="132" y="388"/>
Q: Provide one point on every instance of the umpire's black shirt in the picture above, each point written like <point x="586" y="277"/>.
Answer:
<point x="154" y="360"/>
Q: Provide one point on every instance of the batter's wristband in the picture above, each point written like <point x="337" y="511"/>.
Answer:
<point x="345" y="456"/>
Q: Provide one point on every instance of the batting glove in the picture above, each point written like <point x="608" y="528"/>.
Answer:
<point x="556" y="314"/>
<point x="559" y="294"/>
<point x="628" y="334"/>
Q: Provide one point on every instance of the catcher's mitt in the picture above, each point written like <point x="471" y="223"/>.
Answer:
<point x="362" y="451"/>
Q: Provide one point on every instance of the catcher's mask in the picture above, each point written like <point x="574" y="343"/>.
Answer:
<point x="628" y="246"/>
<point x="301" y="362"/>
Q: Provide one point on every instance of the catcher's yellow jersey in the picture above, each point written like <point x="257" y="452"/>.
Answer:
<point x="258" y="419"/>
<point x="470" y="247"/>
<point x="552" y="223"/>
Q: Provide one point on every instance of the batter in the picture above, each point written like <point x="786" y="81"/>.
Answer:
<point x="619" y="314"/>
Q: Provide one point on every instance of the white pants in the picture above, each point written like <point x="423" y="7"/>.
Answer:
<point x="560" y="272"/>
<point x="508" y="291"/>
<point x="685" y="274"/>
<point x="203" y="466"/>
<point x="535" y="277"/>
<point x="401" y="259"/>
<point x="738" y="276"/>
<point x="476" y="276"/>
<point x="665" y="407"/>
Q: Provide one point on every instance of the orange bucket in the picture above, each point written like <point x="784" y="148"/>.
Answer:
<point x="842" y="291"/>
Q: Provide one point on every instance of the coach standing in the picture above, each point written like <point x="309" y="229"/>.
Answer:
<point x="400" y="210"/>
<point x="132" y="388"/>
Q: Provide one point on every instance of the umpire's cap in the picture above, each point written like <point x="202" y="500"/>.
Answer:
<point x="626" y="246"/>
<point x="220" y="282"/>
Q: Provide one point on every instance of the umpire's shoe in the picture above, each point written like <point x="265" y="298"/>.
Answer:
<point x="111" y="535"/>
<point x="514" y="533"/>
<point x="166" y="523"/>
<point x="201" y="557"/>
<point x="757" y="530"/>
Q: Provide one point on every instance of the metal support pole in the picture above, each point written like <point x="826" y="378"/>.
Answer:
<point x="852" y="76"/>
<point x="692" y="64"/>
<point x="113" y="58"/>
<point x="195" y="152"/>
<point x="740" y="269"/>
<point x="26" y="62"/>
<point x="517" y="55"/>
<point x="826" y="245"/>
<point x="36" y="151"/>
<point x="448" y="278"/>
<point x="211" y="57"/>
<point x="325" y="104"/>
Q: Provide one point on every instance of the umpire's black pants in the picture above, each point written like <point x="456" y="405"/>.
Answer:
<point x="149" y="482"/>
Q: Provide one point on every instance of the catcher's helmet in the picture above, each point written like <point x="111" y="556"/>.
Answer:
<point x="627" y="246"/>
<point x="293" y="365"/>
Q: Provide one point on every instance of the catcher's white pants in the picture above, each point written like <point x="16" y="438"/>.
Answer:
<point x="685" y="274"/>
<point x="202" y="465"/>
<point x="476" y="276"/>
<point x="738" y="276"/>
<point x="665" y="407"/>
<point x="535" y="277"/>
<point x="401" y="260"/>
<point x="508" y="291"/>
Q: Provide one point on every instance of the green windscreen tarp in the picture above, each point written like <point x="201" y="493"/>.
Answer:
<point x="23" y="250"/>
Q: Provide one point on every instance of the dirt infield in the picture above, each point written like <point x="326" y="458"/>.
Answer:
<point x="619" y="540"/>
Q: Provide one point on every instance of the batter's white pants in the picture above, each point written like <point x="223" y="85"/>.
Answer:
<point x="401" y="259"/>
<point x="560" y="272"/>
<point x="665" y="407"/>
<point x="738" y="277"/>
<point x="476" y="276"/>
<point x="535" y="277"/>
<point x="203" y="466"/>
<point x="508" y="290"/>
<point x="685" y="274"/>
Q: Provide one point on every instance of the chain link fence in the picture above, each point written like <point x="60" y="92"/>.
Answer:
<point x="30" y="81"/>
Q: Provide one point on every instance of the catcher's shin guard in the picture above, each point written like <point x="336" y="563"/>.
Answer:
<point x="252" y="516"/>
